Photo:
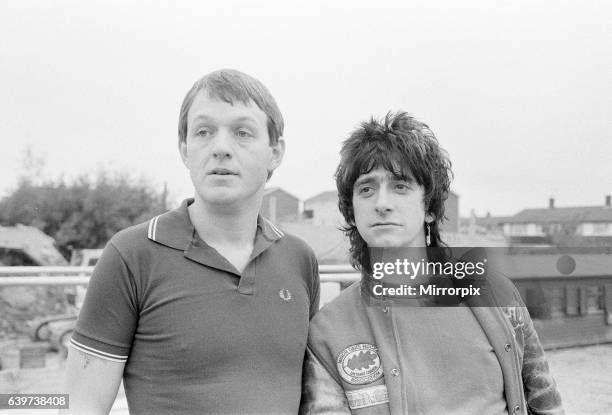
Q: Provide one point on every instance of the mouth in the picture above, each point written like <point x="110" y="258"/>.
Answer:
<point x="384" y="224"/>
<point x="221" y="172"/>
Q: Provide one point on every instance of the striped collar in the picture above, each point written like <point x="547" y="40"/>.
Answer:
<point x="175" y="230"/>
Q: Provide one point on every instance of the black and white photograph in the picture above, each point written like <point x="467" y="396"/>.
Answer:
<point x="306" y="207"/>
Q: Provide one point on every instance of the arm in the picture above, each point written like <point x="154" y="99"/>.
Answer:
<point x="91" y="383"/>
<point x="540" y="388"/>
<point x="100" y="344"/>
<point x="321" y="394"/>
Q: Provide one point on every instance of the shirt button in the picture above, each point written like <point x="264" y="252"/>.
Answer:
<point x="395" y="372"/>
<point x="517" y="408"/>
<point x="507" y="347"/>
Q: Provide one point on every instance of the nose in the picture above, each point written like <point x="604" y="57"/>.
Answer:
<point x="383" y="202"/>
<point x="222" y="145"/>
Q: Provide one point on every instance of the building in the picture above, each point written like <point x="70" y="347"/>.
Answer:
<point x="328" y="242"/>
<point x="561" y="225"/>
<point x="280" y="206"/>
<point x="486" y="225"/>
<point x="568" y="294"/>
<point x="451" y="211"/>
<point x="322" y="209"/>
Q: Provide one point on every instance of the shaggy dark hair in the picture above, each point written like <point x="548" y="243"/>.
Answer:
<point x="407" y="148"/>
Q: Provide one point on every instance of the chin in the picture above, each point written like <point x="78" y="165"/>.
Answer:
<point x="220" y="196"/>
<point x="384" y="242"/>
<point x="392" y="241"/>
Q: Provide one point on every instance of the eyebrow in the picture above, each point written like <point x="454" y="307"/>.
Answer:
<point x="204" y="117"/>
<point x="364" y="180"/>
<point x="368" y="178"/>
<point x="406" y="178"/>
<point x="245" y="118"/>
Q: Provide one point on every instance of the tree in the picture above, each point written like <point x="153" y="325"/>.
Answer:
<point x="83" y="213"/>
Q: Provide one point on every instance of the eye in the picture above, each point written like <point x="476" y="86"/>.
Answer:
<point x="402" y="187"/>
<point x="244" y="133"/>
<point x="203" y="132"/>
<point x="365" y="190"/>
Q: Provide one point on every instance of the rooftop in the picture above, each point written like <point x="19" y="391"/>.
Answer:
<point x="563" y="215"/>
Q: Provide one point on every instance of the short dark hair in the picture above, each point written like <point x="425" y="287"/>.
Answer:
<point x="230" y="85"/>
<point x="407" y="148"/>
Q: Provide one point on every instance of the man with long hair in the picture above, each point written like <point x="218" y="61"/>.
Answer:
<point x="370" y="352"/>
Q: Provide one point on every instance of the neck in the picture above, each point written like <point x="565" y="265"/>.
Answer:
<point x="407" y="264"/>
<point x="234" y="224"/>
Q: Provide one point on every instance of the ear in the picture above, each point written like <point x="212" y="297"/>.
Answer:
<point x="182" y="146"/>
<point x="278" y="151"/>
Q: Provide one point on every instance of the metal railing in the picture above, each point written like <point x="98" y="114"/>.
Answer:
<point x="37" y="276"/>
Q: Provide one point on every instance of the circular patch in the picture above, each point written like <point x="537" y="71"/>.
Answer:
<point x="359" y="364"/>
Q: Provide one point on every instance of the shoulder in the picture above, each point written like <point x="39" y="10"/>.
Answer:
<point x="297" y="245"/>
<point x="293" y="252"/>
<point x="340" y="312"/>
<point x="132" y="239"/>
<point x="504" y="290"/>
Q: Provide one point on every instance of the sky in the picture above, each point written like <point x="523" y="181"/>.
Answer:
<point x="518" y="92"/>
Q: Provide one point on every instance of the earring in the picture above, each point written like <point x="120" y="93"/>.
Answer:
<point x="428" y="235"/>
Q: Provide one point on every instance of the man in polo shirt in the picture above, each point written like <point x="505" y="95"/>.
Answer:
<point x="203" y="309"/>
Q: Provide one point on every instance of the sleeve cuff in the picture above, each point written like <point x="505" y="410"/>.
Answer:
<point x="99" y="349"/>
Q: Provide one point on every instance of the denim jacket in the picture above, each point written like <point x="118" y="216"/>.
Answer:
<point x="347" y="322"/>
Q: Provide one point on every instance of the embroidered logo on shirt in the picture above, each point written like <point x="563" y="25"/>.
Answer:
<point x="362" y="398"/>
<point x="359" y="364"/>
<point x="285" y="294"/>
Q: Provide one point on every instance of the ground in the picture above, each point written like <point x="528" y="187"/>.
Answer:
<point x="584" y="378"/>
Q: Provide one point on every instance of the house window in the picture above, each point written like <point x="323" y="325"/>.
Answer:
<point x="601" y="229"/>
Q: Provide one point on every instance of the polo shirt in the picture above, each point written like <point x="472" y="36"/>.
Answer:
<point x="197" y="336"/>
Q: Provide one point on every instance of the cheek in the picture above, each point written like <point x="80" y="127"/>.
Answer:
<point x="360" y="216"/>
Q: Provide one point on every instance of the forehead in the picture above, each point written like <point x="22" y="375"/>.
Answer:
<point x="210" y="108"/>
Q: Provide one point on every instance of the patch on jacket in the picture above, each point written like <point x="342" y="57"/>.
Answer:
<point x="362" y="398"/>
<point x="516" y="316"/>
<point x="359" y="364"/>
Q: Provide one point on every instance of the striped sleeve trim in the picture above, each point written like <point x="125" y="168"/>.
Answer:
<point x="274" y="229"/>
<point x="102" y="355"/>
<point x="152" y="231"/>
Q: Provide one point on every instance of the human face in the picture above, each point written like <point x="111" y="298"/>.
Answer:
<point x="389" y="212"/>
<point x="227" y="151"/>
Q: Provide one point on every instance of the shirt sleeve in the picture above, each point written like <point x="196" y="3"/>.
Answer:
<point x="321" y="394"/>
<point x="540" y="388"/>
<point x="108" y="318"/>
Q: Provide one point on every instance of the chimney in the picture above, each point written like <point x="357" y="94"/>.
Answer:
<point x="551" y="203"/>
<point x="608" y="201"/>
